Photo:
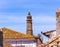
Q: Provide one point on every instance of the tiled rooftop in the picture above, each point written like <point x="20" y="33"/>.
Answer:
<point x="11" y="34"/>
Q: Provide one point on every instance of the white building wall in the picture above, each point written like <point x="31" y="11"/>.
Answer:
<point x="53" y="34"/>
<point x="26" y="45"/>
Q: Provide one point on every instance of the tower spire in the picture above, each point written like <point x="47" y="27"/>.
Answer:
<point x="29" y="14"/>
<point x="29" y="24"/>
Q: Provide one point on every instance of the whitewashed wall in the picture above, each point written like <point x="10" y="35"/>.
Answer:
<point x="26" y="45"/>
<point x="22" y="42"/>
<point x="53" y="34"/>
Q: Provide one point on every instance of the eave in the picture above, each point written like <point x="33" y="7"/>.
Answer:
<point x="48" y="33"/>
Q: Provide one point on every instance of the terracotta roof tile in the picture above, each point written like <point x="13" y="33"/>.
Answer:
<point x="11" y="34"/>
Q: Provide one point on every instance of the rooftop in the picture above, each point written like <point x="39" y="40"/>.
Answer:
<point x="11" y="34"/>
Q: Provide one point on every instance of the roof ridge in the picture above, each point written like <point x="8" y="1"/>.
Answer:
<point x="9" y="29"/>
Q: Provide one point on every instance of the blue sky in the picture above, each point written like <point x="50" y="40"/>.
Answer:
<point x="13" y="14"/>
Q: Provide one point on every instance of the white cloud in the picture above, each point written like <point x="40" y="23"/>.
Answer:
<point x="12" y="18"/>
<point x="44" y="19"/>
<point x="40" y="19"/>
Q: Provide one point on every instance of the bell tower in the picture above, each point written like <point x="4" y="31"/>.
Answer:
<point x="29" y="24"/>
<point x="58" y="22"/>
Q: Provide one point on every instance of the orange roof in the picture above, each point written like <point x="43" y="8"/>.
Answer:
<point x="11" y="34"/>
<point x="6" y="45"/>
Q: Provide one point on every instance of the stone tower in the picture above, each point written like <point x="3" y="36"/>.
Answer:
<point x="58" y="22"/>
<point x="29" y="24"/>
